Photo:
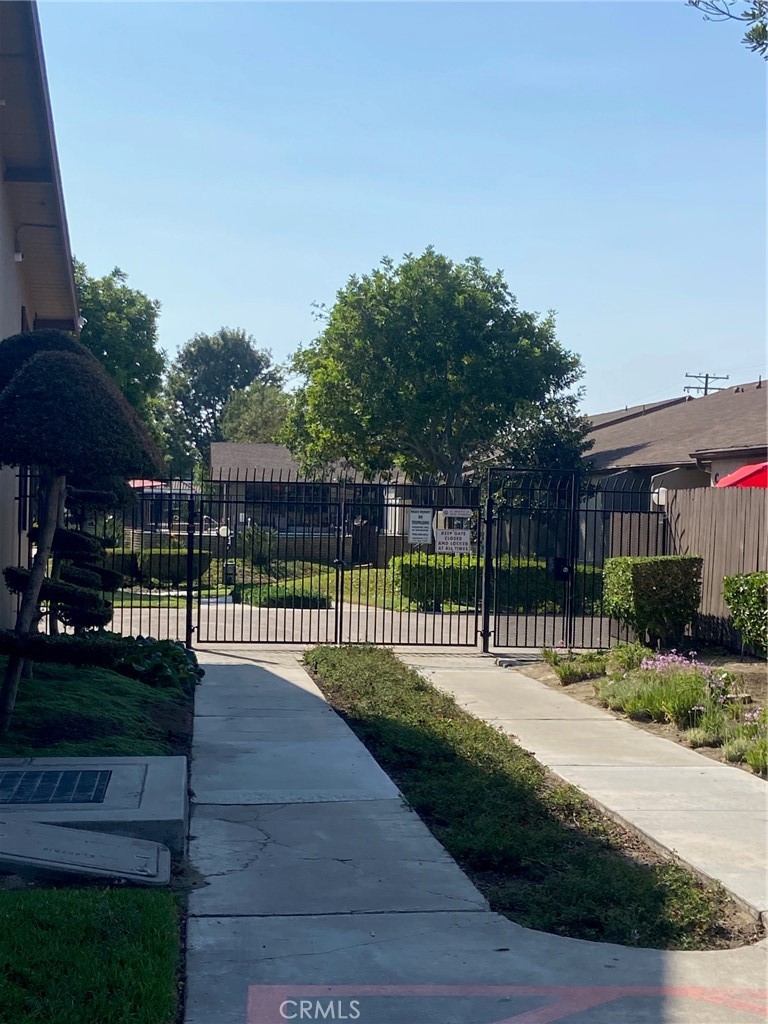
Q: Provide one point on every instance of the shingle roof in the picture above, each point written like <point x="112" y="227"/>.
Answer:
<point x="732" y="419"/>
<point x="605" y="419"/>
<point x="229" y="457"/>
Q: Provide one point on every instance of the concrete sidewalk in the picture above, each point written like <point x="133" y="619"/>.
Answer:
<point x="319" y="884"/>
<point x="712" y="815"/>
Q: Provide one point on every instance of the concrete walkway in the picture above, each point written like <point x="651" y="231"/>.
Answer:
<point x="319" y="884"/>
<point x="712" y="815"/>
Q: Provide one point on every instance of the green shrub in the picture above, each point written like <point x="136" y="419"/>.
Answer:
<point x="161" y="663"/>
<point x="169" y="568"/>
<point x="281" y="595"/>
<point x="431" y="580"/>
<point x="624" y="658"/>
<point x="54" y="590"/>
<point x="655" y="596"/>
<point x="747" y="597"/>
<point x="735" y="749"/>
<point x="80" y="577"/>
<point x="756" y="756"/>
<point x="573" y="668"/>
<point x="524" y="585"/>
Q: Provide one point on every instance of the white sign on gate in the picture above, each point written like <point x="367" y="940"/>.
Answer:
<point x="419" y="525"/>
<point x="453" y="542"/>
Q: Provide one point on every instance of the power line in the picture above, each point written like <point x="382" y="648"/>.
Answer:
<point x="705" y="378"/>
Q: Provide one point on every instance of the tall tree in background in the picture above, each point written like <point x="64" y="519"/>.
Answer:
<point x="256" y="414"/>
<point x="753" y="13"/>
<point x="203" y="377"/>
<point x="420" y="366"/>
<point x="552" y="434"/>
<point x="121" y="331"/>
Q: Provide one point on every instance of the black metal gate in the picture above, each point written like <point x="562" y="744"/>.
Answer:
<point x="547" y="536"/>
<point x="510" y="560"/>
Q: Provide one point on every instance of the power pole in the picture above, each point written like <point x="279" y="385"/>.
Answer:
<point x="705" y="379"/>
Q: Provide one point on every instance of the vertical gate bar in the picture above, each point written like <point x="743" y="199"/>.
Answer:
<point x="571" y="553"/>
<point x="190" y="570"/>
<point x="487" y="521"/>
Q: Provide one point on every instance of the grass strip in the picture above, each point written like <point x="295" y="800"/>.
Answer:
<point x="541" y="853"/>
<point x="73" y="711"/>
<point x="88" y="956"/>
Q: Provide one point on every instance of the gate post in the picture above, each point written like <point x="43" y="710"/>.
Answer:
<point x="190" y="570"/>
<point x="485" y="631"/>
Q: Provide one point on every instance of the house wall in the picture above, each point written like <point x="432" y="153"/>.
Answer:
<point x="722" y="467"/>
<point x="12" y="298"/>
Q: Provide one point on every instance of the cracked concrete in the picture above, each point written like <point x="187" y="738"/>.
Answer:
<point x="320" y="883"/>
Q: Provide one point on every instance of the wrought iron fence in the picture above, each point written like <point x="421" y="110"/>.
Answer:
<point x="510" y="560"/>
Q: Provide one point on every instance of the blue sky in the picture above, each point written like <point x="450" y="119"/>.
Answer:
<point x="239" y="161"/>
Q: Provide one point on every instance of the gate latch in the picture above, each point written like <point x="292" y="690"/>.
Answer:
<point x="563" y="569"/>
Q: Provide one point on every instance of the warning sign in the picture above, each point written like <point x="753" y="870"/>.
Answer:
<point x="453" y="542"/>
<point x="419" y="525"/>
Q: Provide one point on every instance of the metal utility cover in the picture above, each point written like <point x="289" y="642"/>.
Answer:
<point x="53" y="787"/>
<point x="28" y="848"/>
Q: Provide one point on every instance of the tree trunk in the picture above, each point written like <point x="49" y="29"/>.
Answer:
<point x="54" y="487"/>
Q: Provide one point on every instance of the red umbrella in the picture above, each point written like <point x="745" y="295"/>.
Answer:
<point x="747" y="476"/>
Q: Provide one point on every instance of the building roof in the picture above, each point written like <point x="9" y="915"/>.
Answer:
<point x="228" y="457"/>
<point x="605" y="419"/>
<point x="726" y="422"/>
<point x="30" y="168"/>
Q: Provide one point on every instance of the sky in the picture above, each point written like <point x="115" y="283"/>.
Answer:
<point x="239" y="161"/>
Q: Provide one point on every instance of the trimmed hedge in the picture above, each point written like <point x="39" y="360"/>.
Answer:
<point x="162" y="566"/>
<point x="525" y="585"/>
<point x="656" y="595"/>
<point x="746" y="594"/>
<point x="281" y="595"/>
<point x="80" y="577"/>
<point x="74" y="544"/>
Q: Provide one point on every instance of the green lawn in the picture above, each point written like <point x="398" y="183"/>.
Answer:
<point x="88" y="956"/>
<point x="542" y="854"/>
<point x="71" y="711"/>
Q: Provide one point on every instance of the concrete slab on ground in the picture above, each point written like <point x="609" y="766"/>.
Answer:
<point x="322" y="762"/>
<point x="140" y="797"/>
<point x="470" y="967"/>
<point x="255" y="935"/>
<point x="712" y="816"/>
<point x="329" y="858"/>
<point x="49" y="851"/>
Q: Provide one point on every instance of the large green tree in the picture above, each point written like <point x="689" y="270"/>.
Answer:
<point x="420" y="366"/>
<point x="551" y="434"/>
<point x="121" y="331"/>
<point x="256" y="414"/>
<point x="205" y="375"/>
<point x="751" y="13"/>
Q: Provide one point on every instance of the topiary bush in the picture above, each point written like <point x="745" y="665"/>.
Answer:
<point x="281" y="595"/>
<point x="746" y="594"/>
<point x="657" y="596"/>
<point x="169" y="568"/>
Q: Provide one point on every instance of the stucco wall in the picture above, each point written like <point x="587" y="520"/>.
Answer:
<point x="722" y="467"/>
<point x="11" y="300"/>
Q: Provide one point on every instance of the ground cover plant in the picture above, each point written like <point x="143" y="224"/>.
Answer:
<point x="73" y="711"/>
<point x="542" y="854"/>
<point x="708" y="705"/>
<point x="88" y="955"/>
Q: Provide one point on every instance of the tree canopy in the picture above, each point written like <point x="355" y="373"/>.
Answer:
<point x="205" y="375"/>
<point x="121" y="331"/>
<point x="256" y="414"/>
<point x="542" y="435"/>
<point x="752" y="13"/>
<point x="420" y="366"/>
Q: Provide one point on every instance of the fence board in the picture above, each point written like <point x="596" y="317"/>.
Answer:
<point x="727" y="527"/>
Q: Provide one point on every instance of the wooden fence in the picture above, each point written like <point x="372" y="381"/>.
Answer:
<point x="728" y="528"/>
